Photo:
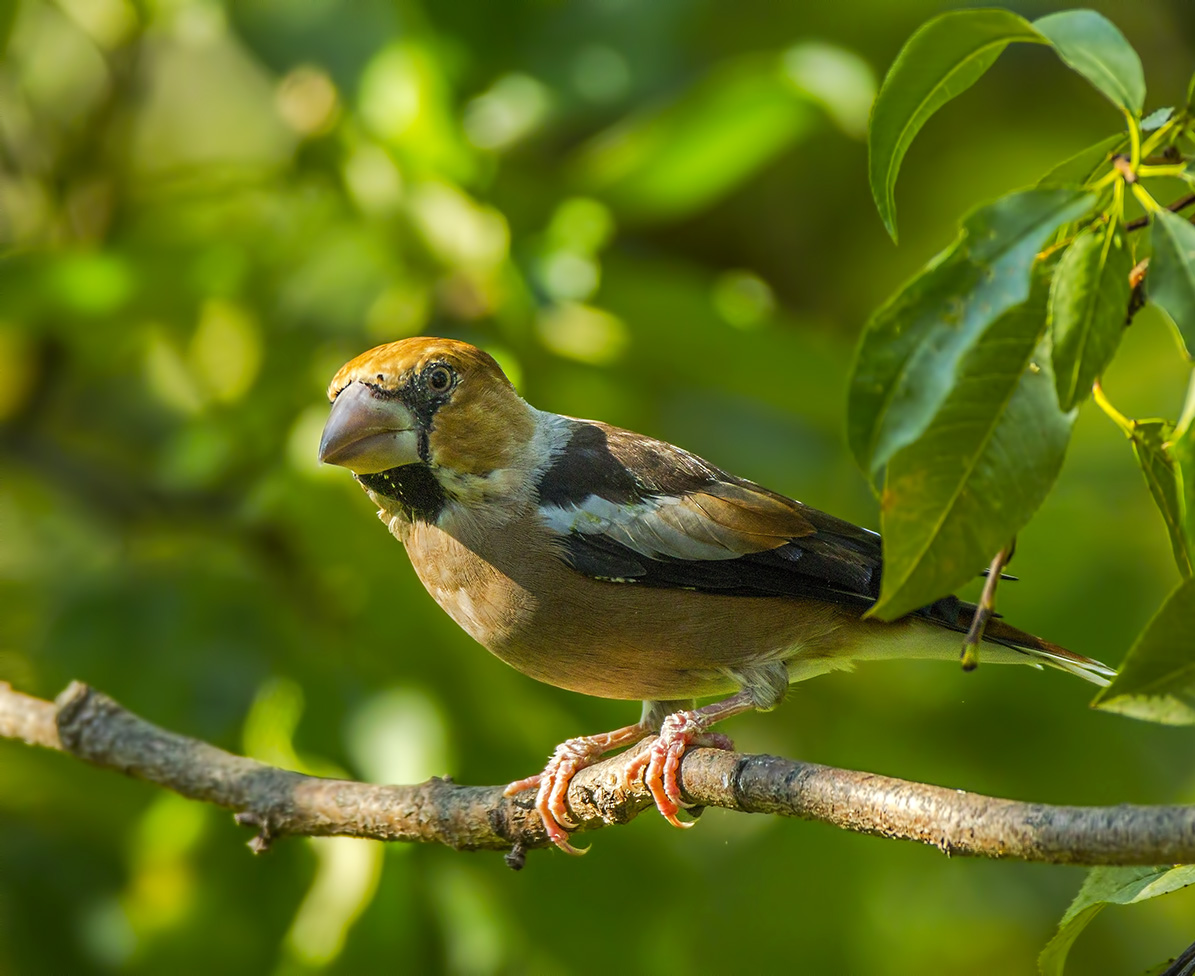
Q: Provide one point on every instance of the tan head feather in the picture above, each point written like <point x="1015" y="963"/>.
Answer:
<point x="481" y="426"/>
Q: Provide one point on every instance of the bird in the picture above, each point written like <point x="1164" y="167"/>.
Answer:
<point x="619" y="566"/>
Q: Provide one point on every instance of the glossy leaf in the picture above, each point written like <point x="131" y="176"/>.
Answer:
<point x="905" y="366"/>
<point x="1109" y="886"/>
<point x="944" y="58"/>
<point x="981" y="469"/>
<point x="1089" y="301"/>
<point x="1157" y="680"/>
<point x="1148" y="438"/>
<point x="1171" y="284"/>
<point x="1093" y="46"/>
<point x="1087" y="163"/>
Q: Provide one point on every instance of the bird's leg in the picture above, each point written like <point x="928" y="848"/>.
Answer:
<point x="570" y="757"/>
<point x="763" y="687"/>
<point x="679" y="731"/>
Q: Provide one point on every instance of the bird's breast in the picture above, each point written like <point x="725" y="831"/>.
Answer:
<point x="483" y="600"/>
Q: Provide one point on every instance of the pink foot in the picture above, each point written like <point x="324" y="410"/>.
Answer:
<point x="570" y="757"/>
<point x="662" y="759"/>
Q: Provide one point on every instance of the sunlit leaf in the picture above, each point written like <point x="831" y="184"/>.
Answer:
<point x="1171" y="284"/>
<point x="905" y="367"/>
<point x="1093" y="46"/>
<point x="1148" y="438"/>
<point x="1089" y="302"/>
<point x="1157" y="118"/>
<point x="666" y="162"/>
<point x="1109" y="886"/>
<point x="1087" y="163"/>
<point x="1157" y="680"/>
<point x="980" y="470"/>
<point x="840" y="81"/>
<point x="944" y="58"/>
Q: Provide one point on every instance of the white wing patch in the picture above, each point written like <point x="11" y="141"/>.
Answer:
<point x="697" y="526"/>
<point x="642" y="526"/>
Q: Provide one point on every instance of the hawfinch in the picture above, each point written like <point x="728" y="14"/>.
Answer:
<point x="615" y="565"/>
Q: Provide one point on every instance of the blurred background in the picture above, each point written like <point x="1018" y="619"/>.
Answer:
<point x="654" y="213"/>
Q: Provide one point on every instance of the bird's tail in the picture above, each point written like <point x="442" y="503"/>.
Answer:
<point x="1051" y="654"/>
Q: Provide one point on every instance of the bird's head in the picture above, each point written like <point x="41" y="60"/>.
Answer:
<point x="426" y="415"/>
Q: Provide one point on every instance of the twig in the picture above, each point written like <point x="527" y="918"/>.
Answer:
<point x="986" y="607"/>
<point x="1124" y="166"/>
<point x="93" y="727"/>
<point x="1184" y="965"/>
<point x="1180" y="204"/>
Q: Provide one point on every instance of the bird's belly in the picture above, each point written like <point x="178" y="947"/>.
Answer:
<point x="613" y="640"/>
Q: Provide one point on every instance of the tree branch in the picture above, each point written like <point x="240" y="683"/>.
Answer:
<point x="1174" y="207"/>
<point x="91" y="726"/>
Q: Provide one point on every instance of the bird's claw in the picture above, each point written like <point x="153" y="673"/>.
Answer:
<point x="551" y="800"/>
<point x="659" y="762"/>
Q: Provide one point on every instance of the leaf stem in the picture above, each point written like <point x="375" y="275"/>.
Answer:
<point x="1118" y="418"/>
<point x="1134" y="141"/>
<point x="1174" y="207"/>
<point x="1158" y="136"/>
<point x="1145" y="198"/>
<point x="1171" y="169"/>
<point x="1188" y="415"/>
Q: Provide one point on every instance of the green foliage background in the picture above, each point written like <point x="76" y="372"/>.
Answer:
<point x="652" y="213"/>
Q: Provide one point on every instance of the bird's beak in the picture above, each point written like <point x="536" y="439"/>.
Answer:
<point x="368" y="434"/>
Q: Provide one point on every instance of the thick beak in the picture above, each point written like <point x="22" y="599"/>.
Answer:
<point x="367" y="434"/>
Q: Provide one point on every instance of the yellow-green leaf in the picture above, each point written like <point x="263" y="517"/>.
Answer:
<point x="1089" y="302"/>
<point x="975" y="477"/>
<point x="1109" y="886"/>
<point x="1149" y="438"/>
<point x="944" y="58"/>
<point x="1171" y="284"/>
<point x="1093" y="46"/>
<point x="1157" y="680"/>
<point x="908" y="354"/>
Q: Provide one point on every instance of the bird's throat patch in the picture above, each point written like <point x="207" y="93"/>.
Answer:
<point x="413" y="486"/>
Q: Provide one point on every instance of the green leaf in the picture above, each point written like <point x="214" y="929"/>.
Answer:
<point x="1157" y="118"/>
<point x="1089" y="301"/>
<point x="944" y="58"/>
<point x="1109" y="886"/>
<point x="1086" y="164"/>
<point x="1191" y="93"/>
<point x="1182" y="452"/>
<point x="905" y="366"/>
<point x="1171" y="284"/>
<point x="1157" y="680"/>
<point x="1148" y="438"/>
<point x="1092" y="45"/>
<point x="981" y="469"/>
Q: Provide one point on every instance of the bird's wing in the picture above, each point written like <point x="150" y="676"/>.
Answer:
<point x="628" y="508"/>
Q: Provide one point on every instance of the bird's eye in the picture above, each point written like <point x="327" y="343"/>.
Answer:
<point x="439" y="379"/>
